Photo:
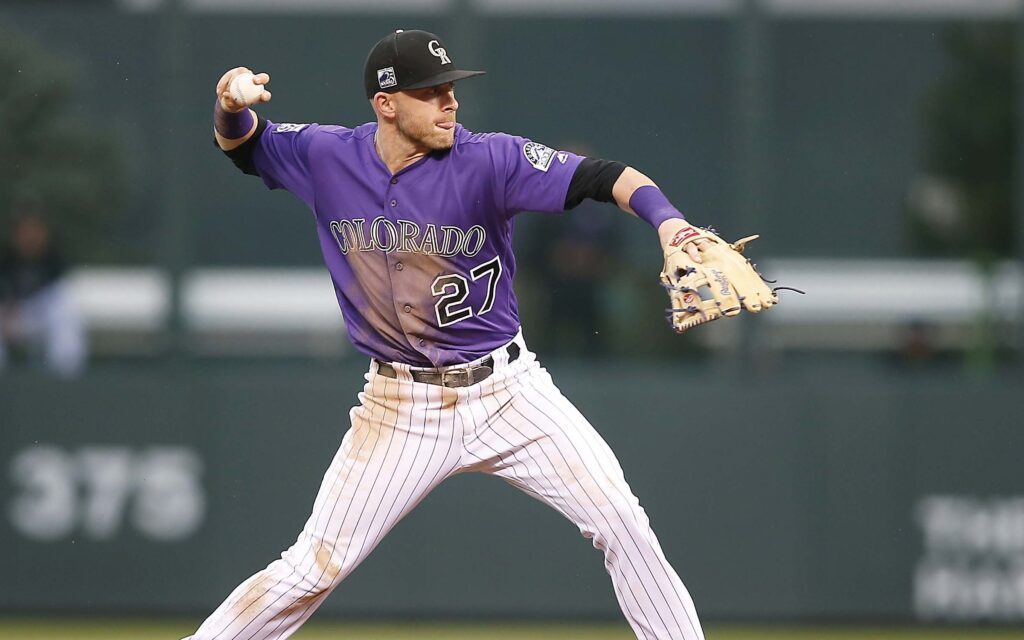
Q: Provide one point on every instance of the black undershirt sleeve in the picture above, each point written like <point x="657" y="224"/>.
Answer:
<point x="593" y="179"/>
<point x="241" y="155"/>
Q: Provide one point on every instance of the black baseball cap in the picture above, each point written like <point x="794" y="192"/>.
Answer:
<point x="410" y="60"/>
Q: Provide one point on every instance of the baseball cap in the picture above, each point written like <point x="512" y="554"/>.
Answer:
<point x="410" y="60"/>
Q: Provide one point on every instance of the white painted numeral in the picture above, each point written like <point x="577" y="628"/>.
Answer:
<point x="47" y="506"/>
<point x="169" y="502"/>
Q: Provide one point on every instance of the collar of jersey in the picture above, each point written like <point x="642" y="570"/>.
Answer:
<point x="371" y="135"/>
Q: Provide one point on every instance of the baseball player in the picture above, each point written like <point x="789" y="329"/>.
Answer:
<point x="414" y="214"/>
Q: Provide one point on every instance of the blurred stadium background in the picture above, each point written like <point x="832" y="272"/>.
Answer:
<point x="849" y="465"/>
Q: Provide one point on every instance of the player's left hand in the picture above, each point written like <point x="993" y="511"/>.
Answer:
<point x="695" y="247"/>
<point x="707" y="278"/>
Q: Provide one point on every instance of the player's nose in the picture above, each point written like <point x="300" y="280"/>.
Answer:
<point x="450" y="103"/>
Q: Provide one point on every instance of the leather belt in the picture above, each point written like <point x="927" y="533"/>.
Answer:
<point x="452" y="376"/>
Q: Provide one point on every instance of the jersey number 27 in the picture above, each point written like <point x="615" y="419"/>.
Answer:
<point x="454" y="288"/>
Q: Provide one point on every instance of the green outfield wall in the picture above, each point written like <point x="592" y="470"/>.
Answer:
<point x="821" y="492"/>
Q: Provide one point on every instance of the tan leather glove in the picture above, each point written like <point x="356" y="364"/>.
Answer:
<point x="723" y="284"/>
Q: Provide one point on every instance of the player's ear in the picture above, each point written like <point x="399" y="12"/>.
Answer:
<point x="384" y="104"/>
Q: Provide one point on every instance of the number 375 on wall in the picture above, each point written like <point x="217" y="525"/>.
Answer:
<point x="97" y="492"/>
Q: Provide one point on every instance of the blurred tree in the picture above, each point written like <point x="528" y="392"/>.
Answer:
<point x="51" y="161"/>
<point x="963" y="205"/>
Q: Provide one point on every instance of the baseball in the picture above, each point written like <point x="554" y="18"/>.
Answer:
<point x="243" y="90"/>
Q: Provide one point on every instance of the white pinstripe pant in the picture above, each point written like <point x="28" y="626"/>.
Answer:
<point x="406" y="438"/>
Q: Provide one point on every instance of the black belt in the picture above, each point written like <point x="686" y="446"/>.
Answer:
<point x="452" y="377"/>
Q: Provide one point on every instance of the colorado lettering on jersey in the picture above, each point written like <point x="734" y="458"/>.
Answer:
<point x="406" y="236"/>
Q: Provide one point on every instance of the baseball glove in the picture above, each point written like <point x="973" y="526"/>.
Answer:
<point x="723" y="284"/>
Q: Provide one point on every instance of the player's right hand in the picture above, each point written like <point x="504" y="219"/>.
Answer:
<point x="228" y="103"/>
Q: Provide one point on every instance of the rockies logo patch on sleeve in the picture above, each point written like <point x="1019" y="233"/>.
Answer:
<point x="538" y="155"/>
<point x="289" y="127"/>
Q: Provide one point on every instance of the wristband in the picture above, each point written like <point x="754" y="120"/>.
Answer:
<point x="651" y="205"/>
<point x="232" y="125"/>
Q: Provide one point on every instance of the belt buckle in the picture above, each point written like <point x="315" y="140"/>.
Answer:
<point x="456" y="378"/>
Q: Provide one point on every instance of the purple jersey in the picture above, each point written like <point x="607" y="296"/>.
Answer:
<point x="422" y="260"/>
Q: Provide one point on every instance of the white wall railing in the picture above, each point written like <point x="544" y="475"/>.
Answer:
<point x="849" y="304"/>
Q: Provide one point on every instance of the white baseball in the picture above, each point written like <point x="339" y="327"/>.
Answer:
<point x="244" y="91"/>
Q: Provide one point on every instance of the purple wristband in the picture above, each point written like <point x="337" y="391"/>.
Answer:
<point x="232" y="125"/>
<point x="650" y="204"/>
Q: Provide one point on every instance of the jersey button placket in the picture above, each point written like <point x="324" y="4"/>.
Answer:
<point x="392" y="257"/>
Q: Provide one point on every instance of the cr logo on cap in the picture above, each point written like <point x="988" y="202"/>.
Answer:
<point x="438" y="51"/>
